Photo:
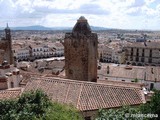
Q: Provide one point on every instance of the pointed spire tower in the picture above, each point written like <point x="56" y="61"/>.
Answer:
<point x="80" y="49"/>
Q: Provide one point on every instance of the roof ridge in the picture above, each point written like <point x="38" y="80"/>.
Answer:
<point x="80" y="82"/>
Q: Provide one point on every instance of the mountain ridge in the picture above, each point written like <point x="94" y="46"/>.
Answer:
<point x="39" y="27"/>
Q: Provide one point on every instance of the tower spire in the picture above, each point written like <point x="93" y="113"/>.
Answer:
<point x="7" y="27"/>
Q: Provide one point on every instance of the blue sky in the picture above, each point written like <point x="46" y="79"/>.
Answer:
<point x="123" y="14"/>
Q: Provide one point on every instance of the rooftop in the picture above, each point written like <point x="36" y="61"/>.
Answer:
<point x="151" y="44"/>
<point x="149" y="73"/>
<point x="10" y="93"/>
<point x="87" y="95"/>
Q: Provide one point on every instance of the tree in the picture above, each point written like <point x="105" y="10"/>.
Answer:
<point x="35" y="105"/>
<point x="30" y="105"/>
<point x="63" y="112"/>
<point x="136" y="80"/>
<point x="124" y="113"/>
<point x="153" y="107"/>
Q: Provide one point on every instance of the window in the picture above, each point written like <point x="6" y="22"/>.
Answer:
<point x="150" y="54"/>
<point x="131" y="51"/>
<point x="151" y="86"/>
<point x="142" y="52"/>
<point x="142" y="59"/>
<point x="150" y="60"/>
<point x="137" y="52"/>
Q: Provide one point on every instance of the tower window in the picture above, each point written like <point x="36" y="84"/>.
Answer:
<point x="94" y="43"/>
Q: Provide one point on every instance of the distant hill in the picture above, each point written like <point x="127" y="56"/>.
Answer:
<point x="99" y="28"/>
<point x="38" y="27"/>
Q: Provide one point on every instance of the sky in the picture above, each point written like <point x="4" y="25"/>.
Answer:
<point x="121" y="14"/>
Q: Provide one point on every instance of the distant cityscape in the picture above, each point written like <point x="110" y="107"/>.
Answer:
<point x="89" y="67"/>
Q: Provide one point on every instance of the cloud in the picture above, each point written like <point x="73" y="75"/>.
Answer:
<point x="8" y="9"/>
<point x="92" y="9"/>
<point x="105" y="13"/>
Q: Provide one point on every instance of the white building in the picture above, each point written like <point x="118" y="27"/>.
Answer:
<point x="41" y="51"/>
<point x="59" y="49"/>
<point x="33" y="52"/>
<point x="22" y="53"/>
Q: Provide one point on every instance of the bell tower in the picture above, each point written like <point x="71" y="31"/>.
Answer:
<point x="80" y="49"/>
<point x="8" y="53"/>
<point x="8" y="33"/>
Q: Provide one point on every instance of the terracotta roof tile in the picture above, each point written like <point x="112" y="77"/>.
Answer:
<point x="142" y="45"/>
<point x="9" y="94"/>
<point x="121" y="83"/>
<point x="87" y="95"/>
<point x="138" y="72"/>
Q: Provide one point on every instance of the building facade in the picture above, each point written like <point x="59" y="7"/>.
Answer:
<point x="80" y="50"/>
<point x="147" y="53"/>
<point x="33" y="52"/>
<point x="6" y="46"/>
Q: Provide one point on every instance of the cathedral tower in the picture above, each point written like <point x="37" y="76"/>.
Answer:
<point x="8" y="52"/>
<point x="80" y="49"/>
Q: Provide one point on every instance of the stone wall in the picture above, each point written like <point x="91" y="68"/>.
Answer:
<point x="7" y="54"/>
<point x="80" y="50"/>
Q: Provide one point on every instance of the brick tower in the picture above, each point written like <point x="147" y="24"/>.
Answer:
<point x="80" y="49"/>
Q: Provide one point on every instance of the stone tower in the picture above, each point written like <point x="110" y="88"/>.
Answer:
<point x="80" y="49"/>
<point x="6" y="46"/>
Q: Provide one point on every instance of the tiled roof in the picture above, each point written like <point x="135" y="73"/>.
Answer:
<point x="121" y="71"/>
<point x="144" y="45"/>
<point x="9" y="94"/>
<point x="121" y="83"/>
<point x="138" y="72"/>
<point x="58" y="45"/>
<point x="86" y="95"/>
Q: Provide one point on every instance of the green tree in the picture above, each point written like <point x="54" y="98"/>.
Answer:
<point x="35" y="105"/>
<point x="153" y="107"/>
<point x="124" y="113"/>
<point x="63" y="112"/>
<point x="136" y="80"/>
